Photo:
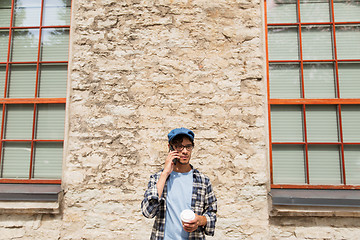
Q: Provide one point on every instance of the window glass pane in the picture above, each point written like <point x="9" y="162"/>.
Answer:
<point x="349" y="80"/>
<point x="283" y="43"/>
<point x="315" y="10"/>
<point x="285" y="81"/>
<point x="22" y="81"/>
<point x="281" y="11"/>
<point x="352" y="164"/>
<point x="19" y="121"/>
<point x="53" y="80"/>
<point x="287" y="123"/>
<point x="322" y="123"/>
<point x="50" y="121"/>
<point x="347" y="10"/>
<point x="324" y="164"/>
<point x="347" y="42"/>
<point x="5" y="13"/>
<point x="16" y="160"/>
<point x="25" y="45"/>
<point x="350" y="115"/>
<point x="27" y="12"/>
<point x="56" y="12"/>
<point x="316" y="43"/>
<point x="2" y="79"/>
<point x="319" y="81"/>
<point x="4" y="42"/>
<point x="48" y="160"/>
<point x="55" y="44"/>
<point x="288" y="164"/>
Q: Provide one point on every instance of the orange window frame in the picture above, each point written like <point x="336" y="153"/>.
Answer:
<point x="306" y="102"/>
<point x="33" y="101"/>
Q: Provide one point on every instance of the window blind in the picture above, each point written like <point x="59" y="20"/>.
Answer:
<point x="57" y="12"/>
<point x="2" y="79"/>
<point x="48" y="160"/>
<point x="319" y="80"/>
<point x="25" y="45"/>
<point x="5" y="13"/>
<point x="4" y="42"/>
<point x="282" y="11"/>
<point x="55" y="44"/>
<point x="27" y="13"/>
<point x="52" y="82"/>
<point x="316" y="43"/>
<point x="22" y="81"/>
<point x="50" y="121"/>
<point x="346" y="11"/>
<point x="350" y="115"/>
<point x="349" y="79"/>
<point x="324" y="164"/>
<point x="347" y="42"/>
<point x="19" y="120"/>
<point x="352" y="164"/>
<point x="288" y="164"/>
<point x="314" y="11"/>
<point x="16" y="160"/>
<point x="285" y="81"/>
<point x="287" y="124"/>
<point x="283" y="43"/>
<point x="322" y="123"/>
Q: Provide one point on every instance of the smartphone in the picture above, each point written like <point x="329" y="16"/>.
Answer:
<point x="175" y="159"/>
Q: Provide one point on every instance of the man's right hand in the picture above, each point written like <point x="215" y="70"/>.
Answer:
<point x="169" y="164"/>
<point x="168" y="168"/>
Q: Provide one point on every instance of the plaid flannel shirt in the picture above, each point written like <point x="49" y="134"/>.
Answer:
<point x="203" y="203"/>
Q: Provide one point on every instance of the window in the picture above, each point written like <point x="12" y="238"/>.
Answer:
<point x="34" y="39"/>
<point x="313" y="62"/>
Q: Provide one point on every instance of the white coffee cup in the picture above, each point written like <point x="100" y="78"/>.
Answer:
<point x="187" y="215"/>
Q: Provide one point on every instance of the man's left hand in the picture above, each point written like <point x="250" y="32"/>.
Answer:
<point x="194" y="224"/>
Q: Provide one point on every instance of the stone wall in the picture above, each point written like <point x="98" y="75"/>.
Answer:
<point x="139" y="69"/>
<point x="328" y="228"/>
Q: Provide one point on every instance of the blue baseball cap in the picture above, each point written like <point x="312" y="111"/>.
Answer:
<point x="184" y="131"/>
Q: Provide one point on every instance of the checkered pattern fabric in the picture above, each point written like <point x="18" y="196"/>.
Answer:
<point x="203" y="203"/>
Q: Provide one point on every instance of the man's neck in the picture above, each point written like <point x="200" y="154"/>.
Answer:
<point x="182" y="168"/>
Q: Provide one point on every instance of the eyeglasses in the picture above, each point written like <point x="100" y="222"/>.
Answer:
<point x="181" y="147"/>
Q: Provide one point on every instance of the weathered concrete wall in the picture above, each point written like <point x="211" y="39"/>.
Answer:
<point x="139" y="69"/>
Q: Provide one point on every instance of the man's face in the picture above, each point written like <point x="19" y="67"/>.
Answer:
<point x="185" y="154"/>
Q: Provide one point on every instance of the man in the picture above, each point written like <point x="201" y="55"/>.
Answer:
<point x="178" y="187"/>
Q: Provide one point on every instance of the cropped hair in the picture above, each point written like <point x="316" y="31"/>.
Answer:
<point x="179" y="138"/>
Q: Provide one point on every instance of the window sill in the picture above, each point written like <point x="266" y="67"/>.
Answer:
<point x="301" y="211"/>
<point x="30" y="198"/>
<point x="315" y="203"/>
<point x="7" y="207"/>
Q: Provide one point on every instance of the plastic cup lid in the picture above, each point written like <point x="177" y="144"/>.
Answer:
<point x="187" y="215"/>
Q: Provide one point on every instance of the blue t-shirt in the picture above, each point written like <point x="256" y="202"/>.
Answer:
<point x="179" y="194"/>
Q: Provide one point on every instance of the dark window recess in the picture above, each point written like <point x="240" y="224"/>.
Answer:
<point x="315" y="197"/>
<point x="30" y="192"/>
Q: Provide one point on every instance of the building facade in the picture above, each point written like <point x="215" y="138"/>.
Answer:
<point x="91" y="89"/>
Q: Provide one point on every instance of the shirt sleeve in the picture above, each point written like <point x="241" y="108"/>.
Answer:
<point x="210" y="211"/>
<point x="150" y="203"/>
